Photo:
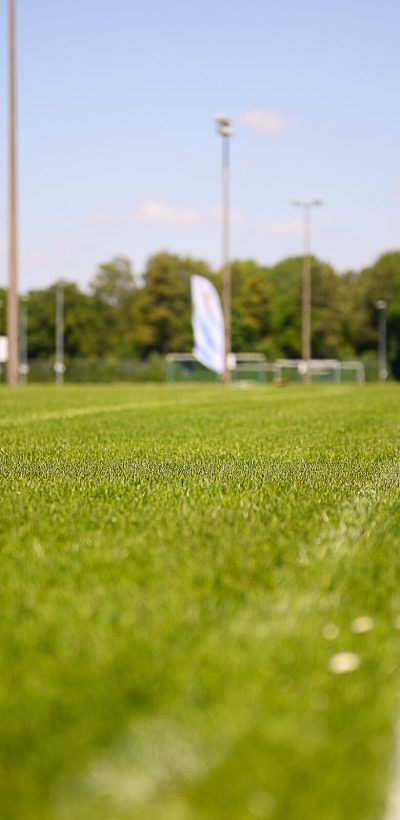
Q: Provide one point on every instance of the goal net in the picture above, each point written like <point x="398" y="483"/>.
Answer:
<point x="246" y="368"/>
<point x="322" y="370"/>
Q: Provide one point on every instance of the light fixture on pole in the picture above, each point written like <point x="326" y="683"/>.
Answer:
<point x="381" y="306"/>
<point x="12" y="303"/>
<point x="306" y="286"/>
<point x="59" y="366"/>
<point x="224" y="128"/>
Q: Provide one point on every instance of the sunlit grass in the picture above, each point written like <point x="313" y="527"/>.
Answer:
<point x="179" y="566"/>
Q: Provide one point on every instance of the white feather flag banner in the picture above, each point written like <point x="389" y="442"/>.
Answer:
<point x="208" y="325"/>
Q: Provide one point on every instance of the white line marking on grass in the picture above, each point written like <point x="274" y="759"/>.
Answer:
<point x="142" y="763"/>
<point x="94" y="410"/>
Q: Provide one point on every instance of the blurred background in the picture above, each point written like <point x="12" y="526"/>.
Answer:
<point x="119" y="177"/>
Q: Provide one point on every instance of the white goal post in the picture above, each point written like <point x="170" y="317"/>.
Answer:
<point x="322" y="369"/>
<point x="245" y="367"/>
<point x="253" y="368"/>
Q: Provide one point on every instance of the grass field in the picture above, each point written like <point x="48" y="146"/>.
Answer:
<point x="170" y="561"/>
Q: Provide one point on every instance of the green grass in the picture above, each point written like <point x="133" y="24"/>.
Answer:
<point x="169" y="557"/>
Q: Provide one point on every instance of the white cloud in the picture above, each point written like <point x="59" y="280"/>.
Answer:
<point x="234" y="213"/>
<point x="150" y="211"/>
<point x="154" y="211"/>
<point x="265" y="122"/>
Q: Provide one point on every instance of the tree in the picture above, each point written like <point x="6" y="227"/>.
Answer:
<point x="162" y="311"/>
<point x="113" y="289"/>
<point x="286" y="312"/>
<point x="326" y="310"/>
<point x="252" y="299"/>
<point x="380" y="281"/>
<point x="113" y="282"/>
<point x="83" y="329"/>
<point x="122" y="318"/>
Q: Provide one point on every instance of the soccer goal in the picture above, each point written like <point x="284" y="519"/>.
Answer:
<point x="352" y="371"/>
<point x="247" y="368"/>
<point x="322" y="370"/>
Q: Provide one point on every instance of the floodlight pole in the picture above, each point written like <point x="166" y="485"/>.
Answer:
<point x="12" y="305"/>
<point x="225" y="131"/>
<point x="1" y="327"/>
<point x="23" y="316"/>
<point x="59" y="364"/>
<point x="307" y="297"/>
<point x="306" y="285"/>
<point x="381" y="306"/>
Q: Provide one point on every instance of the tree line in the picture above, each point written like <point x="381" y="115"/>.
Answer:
<point x="122" y="316"/>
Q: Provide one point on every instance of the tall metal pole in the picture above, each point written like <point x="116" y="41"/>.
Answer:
<point x="59" y="365"/>
<point x="306" y="286"/>
<point x="381" y="306"/>
<point x="12" y="310"/>
<point x="306" y="297"/>
<point x="227" y="271"/>
<point x="1" y="328"/>
<point x="24" y="366"/>
<point x="225" y="131"/>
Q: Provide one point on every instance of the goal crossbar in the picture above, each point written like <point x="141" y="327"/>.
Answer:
<point x="320" y="367"/>
<point x="252" y="365"/>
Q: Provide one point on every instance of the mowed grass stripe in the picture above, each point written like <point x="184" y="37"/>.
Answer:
<point x="165" y="580"/>
<point x="131" y="777"/>
<point x="95" y="409"/>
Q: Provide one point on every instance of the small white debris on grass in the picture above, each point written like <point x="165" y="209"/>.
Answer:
<point x="330" y="632"/>
<point x="38" y="549"/>
<point x="261" y="804"/>
<point x="362" y="624"/>
<point x="344" y="662"/>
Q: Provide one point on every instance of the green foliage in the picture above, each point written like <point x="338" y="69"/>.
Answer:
<point x="113" y="289"/>
<point x="102" y="371"/>
<point x="381" y="281"/>
<point x="170" y="560"/>
<point x="326" y="317"/>
<point x="162" y="312"/>
<point x="3" y="312"/>
<point x="124" y="318"/>
<point x="286" y="320"/>
<point x="252" y="305"/>
<point x="113" y="282"/>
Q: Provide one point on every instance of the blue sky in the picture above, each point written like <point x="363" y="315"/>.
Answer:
<point x="117" y="149"/>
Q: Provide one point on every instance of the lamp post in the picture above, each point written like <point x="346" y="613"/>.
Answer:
<point x="381" y="306"/>
<point x="1" y="327"/>
<point x="23" y="344"/>
<point x="12" y="305"/>
<point x="59" y="366"/>
<point x="224" y="129"/>
<point x="306" y="287"/>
